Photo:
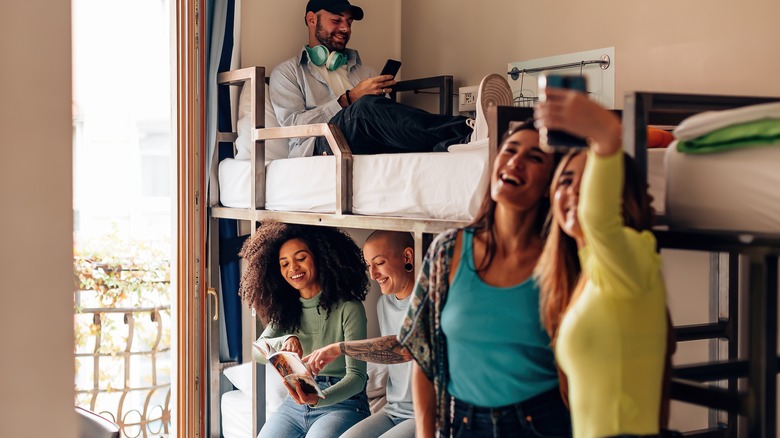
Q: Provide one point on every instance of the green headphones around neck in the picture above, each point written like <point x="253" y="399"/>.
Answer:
<point x="320" y="55"/>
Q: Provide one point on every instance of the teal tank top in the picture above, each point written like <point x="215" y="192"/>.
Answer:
<point x="498" y="351"/>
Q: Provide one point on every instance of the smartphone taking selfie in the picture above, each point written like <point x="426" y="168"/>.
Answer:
<point x="391" y="67"/>
<point x="554" y="140"/>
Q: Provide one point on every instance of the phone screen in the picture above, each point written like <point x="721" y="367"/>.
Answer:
<point x="553" y="140"/>
<point x="391" y="67"/>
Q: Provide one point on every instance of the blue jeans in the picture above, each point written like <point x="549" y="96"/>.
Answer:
<point x="293" y="420"/>
<point x="377" y="125"/>
<point x="382" y="425"/>
<point x="544" y="416"/>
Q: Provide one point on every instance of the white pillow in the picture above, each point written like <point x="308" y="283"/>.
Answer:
<point x="241" y="377"/>
<point x="275" y="391"/>
<point x="274" y="149"/>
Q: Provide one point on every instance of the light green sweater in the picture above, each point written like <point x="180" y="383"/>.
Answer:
<point x="346" y="322"/>
<point x="612" y="339"/>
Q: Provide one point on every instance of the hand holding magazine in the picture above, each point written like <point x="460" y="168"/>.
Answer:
<point x="290" y="367"/>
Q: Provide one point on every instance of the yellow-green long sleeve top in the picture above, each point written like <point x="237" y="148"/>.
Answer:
<point x="612" y="340"/>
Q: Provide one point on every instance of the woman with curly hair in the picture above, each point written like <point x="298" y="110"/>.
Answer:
<point x="306" y="283"/>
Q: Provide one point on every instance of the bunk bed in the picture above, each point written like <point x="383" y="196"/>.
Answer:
<point x="712" y="202"/>
<point x="346" y="196"/>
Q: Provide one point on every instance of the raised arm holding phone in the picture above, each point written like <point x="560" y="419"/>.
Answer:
<point x="603" y="297"/>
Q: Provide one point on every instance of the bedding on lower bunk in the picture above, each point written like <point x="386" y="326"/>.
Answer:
<point x="416" y="185"/>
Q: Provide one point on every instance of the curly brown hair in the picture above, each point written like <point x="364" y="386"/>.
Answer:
<point x="340" y="271"/>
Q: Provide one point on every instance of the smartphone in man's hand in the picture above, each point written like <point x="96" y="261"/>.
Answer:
<point x="554" y="140"/>
<point x="391" y="67"/>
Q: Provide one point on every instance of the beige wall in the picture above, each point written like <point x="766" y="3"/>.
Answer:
<point x="273" y="31"/>
<point x="36" y="264"/>
<point x="707" y="46"/>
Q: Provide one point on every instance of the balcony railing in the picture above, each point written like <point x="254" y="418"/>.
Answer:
<point x="123" y="355"/>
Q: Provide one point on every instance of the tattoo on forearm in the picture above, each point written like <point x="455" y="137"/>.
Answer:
<point x="386" y="350"/>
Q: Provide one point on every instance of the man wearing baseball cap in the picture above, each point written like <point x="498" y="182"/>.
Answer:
<point x="335" y="7"/>
<point x="327" y="83"/>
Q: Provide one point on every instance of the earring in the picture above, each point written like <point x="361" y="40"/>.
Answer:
<point x="409" y="267"/>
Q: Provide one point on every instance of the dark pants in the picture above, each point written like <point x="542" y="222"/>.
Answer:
<point x="377" y="125"/>
<point x="544" y="415"/>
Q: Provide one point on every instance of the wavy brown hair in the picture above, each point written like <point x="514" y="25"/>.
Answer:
<point x="485" y="218"/>
<point x="340" y="272"/>
<point x="558" y="271"/>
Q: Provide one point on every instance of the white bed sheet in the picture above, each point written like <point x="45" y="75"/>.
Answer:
<point x="733" y="191"/>
<point x="418" y="185"/>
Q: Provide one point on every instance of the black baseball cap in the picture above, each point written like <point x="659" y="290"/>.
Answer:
<point x="335" y="7"/>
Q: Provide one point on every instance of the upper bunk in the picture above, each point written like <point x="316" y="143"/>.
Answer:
<point x="414" y="192"/>
<point x="431" y="192"/>
<point x="727" y="192"/>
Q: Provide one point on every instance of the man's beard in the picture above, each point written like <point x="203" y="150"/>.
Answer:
<point x="326" y="39"/>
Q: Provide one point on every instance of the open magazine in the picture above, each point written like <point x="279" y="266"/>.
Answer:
<point x="290" y="367"/>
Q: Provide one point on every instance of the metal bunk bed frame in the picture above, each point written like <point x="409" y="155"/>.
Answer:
<point x="756" y="398"/>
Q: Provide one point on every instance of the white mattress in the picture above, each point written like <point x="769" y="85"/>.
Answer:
<point x="446" y="185"/>
<point x="735" y="190"/>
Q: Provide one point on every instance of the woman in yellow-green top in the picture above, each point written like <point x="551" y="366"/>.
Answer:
<point x="603" y="298"/>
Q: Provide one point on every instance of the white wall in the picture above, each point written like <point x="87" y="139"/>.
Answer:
<point x="36" y="264"/>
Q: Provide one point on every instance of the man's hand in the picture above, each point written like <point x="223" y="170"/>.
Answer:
<point x="318" y="359"/>
<point x="376" y="86"/>
<point x="293" y="344"/>
<point x="298" y="396"/>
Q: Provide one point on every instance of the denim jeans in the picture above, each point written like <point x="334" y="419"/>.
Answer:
<point x="544" y="416"/>
<point x="382" y="425"/>
<point x="293" y="420"/>
<point x="377" y="125"/>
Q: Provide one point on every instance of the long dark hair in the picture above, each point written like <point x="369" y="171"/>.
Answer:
<point x="485" y="217"/>
<point x="340" y="272"/>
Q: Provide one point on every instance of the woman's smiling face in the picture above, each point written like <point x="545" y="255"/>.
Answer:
<point x="566" y="196"/>
<point x="385" y="264"/>
<point x="297" y="266"/>
<point x="521" y="171"/>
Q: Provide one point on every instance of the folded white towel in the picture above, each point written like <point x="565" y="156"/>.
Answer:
<point x="708" y="121"/>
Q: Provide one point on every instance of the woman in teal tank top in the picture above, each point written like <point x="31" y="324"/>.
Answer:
<point x="484" y="366"/>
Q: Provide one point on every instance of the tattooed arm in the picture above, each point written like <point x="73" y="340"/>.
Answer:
<point x="385" y="350"/>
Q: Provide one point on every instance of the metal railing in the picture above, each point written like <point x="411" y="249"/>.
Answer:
<point x="123" y="363"/>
